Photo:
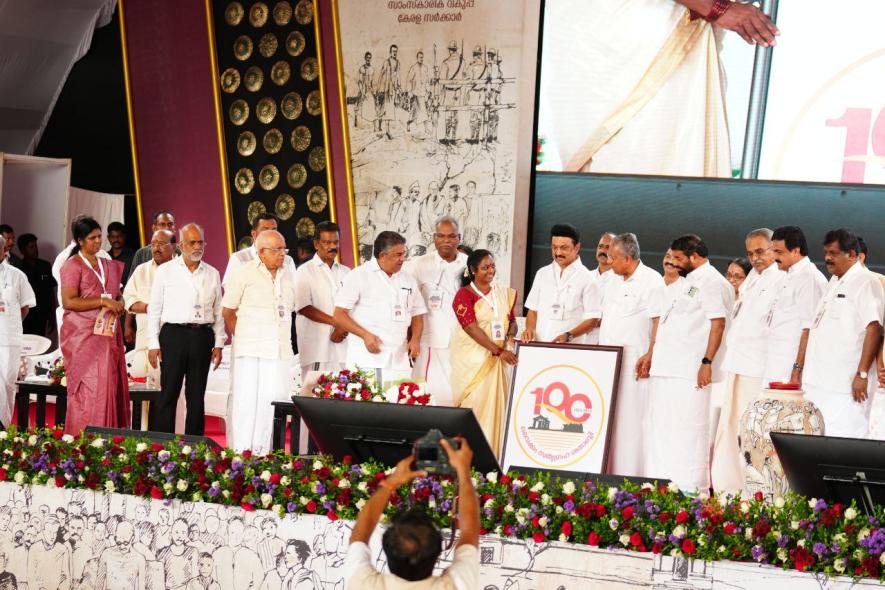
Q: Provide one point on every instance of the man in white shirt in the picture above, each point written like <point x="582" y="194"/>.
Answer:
<point x="185" y="332"/>
<point x="259" y="299"/>
<point x="438" y="275"/>
<point x="162" y="220"/>
<point x="137" y="293"/>
<point x="601" y="273"/>
<point x="685" y="342"/>
<point x="16" y="298"/>
<point x="60" y="261"/>
<point x="626" y="309"/>
<point x="844" y="338"/>
<point x="377" y="306"/>
<point x="563" y="293"/>
<point x="744" y="359"/>
<point x="321" y="345"/>
<point x="412" y="542"/>
<point x="263" y="222"/>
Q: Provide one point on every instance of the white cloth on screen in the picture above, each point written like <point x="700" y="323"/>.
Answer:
<point x="792" y="312"/>
<point x="679" y="441"/>
<point x="316" y="285"/>
<point x="842" y="415"/>
<point x="250" y="254"/>
<point x="434" y="367"/>
<point x="256" y="383"/>
<point x="563" y="298"/>
<point x="138" y="289"/>
<point x="179" y="296"/>
<point x="102" y="207"/>
<point x="372" y="298"/>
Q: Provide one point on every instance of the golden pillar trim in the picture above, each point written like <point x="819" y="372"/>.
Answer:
<point x="131" y="120"/>
<point x="219" y="131"/>
<point x="345" y="134"/>
<point x="319" y="48"/>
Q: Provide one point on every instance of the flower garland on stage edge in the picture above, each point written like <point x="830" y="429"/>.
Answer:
<point x="794" y="532"/>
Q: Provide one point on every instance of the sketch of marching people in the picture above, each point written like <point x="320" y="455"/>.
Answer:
<point x="248" y="570"/>
<point x="494" y="87"/>
<point x="378" y="217"/>
<point x="18" y="558"/>
<point x="298" y="575"/>
<point x="179" y="559"/>
<point x="450" y="75"/>
<point x="420" y="89"/>
<point x="473" y="222"/>
<point x="8" y="581"/>
<point x="203" y="580"/>
<point x="456" y="206"/>
<point x="430" y="210"/>
<point x="476" y="93"/>
<point x="329" y="548"/>
<point x="388" y="90"/>
<point x="365" y="83"/>
<point x="47" y="550"/>
<point x="119" y="566"/>
<point x="405" y="214"/>
<point x="270" y="546"/>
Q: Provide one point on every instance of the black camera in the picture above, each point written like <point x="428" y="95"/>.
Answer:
<point x="429" y="454"/>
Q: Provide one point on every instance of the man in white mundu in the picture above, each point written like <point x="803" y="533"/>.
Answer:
<point x="563" y="293"/>
<point x="626" y="309"/>
<point x="377" y="306"/>
<point x="258" y="302"/>
<point x="601" y="274"/>
<point x="744" y="359"/>
<point x="438" y="275"/>
<point x="843" y="339"/>
<point x="321" y="345"/>
<point x="16" y="298"/>
<point x="685" y="343"/>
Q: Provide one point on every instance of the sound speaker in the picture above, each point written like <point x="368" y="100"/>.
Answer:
<point x="159" y="437"/>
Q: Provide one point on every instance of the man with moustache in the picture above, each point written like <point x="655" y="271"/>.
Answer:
<point x="601" y="273"/>
<point x="626" y="310"/>
<point x="162" y="220"/>
<point x="438" y="275"/>
<point x="744" y="359"/>
<point x="377" y="306"/>
<point x="685" y="343"/>
<point x="321" y="345"/>
<point x="185" y="332"/>
<point x="137" y="293"/>
<point x="563" y="294"/>
<point x="844" y="338"/>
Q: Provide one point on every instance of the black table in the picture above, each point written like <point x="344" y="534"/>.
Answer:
<point x="281" y="412"/>
<point x="138" y="394"/>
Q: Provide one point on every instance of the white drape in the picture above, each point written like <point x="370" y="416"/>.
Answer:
<point x="104" y="207"/>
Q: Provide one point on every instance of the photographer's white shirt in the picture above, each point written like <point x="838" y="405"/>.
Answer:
<point x="359" y="572"/>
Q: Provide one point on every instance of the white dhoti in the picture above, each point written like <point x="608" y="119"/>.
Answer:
<point x="679" y="442"/>
<point x="727" y="469"/>
<point x="877" y="416"/>
<point x="434" y="368"/>
<point x="842" y="415"/>
<point x="10" y="361"/>
<point x="627" y="449"/>
<point x="256" y="383"/>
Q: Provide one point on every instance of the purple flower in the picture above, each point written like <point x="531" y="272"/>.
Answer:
<point x="291" y="507"/>
<point x="757" y="552"/>
<point x="783" y="540"/>
<point x="568" y="506"/>
<point x="820" y="506"/>
<point x="820" y="549"/>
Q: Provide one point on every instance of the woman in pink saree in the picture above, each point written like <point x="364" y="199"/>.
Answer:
<point x="91" y="343"/>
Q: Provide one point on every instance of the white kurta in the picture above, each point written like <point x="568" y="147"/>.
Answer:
<point x="316" y="284"/>
<point x="438" y="281"/>
<point x="563" y="298"/>
<point x="138" y="289"/>
<point x="627" y="307"/>
<point x="15" y="293"/>
<point x="250" y="254"/>
<point x="835" y="343"/>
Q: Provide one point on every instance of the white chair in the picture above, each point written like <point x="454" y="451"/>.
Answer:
<point x="33" y="345"/>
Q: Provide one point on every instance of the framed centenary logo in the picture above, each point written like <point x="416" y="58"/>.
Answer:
<point x="562" y="400"/>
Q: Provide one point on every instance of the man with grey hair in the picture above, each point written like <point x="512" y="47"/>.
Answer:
<point x="377" y="305"/>
<point x="626" y="309"/>
<point x="746" y="343"/>
<point x="438" y="274"/>
<point x="259" y="299"/>
<point x="185" y="332"/>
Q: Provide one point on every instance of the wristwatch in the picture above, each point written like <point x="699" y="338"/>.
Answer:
<point x="569" y="336"/>
<point x="862" y="374"/>
<point x="797" y="367"/>
<point x="706" y="361"/>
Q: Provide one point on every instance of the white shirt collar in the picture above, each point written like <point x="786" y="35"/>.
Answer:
<point x="180" y="261"/>
<point x="856" y="268"/>
<point x="797" y="266"/>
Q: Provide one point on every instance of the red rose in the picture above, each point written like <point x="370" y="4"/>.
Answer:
<point x="508" y="530"/>
<point x="593" y="539"/>
<point x="663" y="517"/>
<point x="534" y="496"/>
<point x="58" y="433"/>
<point x="627" y="513"/>
<point x="567" y="528"/>
<point x="761" y="528"/>
<point x="3" y="474"/>
<point x="247" y="453"/>
<point x="311" y="507"/>
<point x="331" y="515"/>
<point x="656" y="548"/>
<point x="538" y="537"/>
<point x="156" y="447"/>
<point x="156" y="493"/>
<point x="505" y="479"/>
<point x="758" y="496"/>
<point x="600" y="510"/>
<point x="275" y="478"/>
<point x="636" y="539"/>
<point x="347" y="459"/>
<point x="682" y="517"/>
<point x="730" y="527"/>
<point x="118" y="439"/>
<point x="688" y="547"/>
<point x="365" y="395"/>
<point x="60" y="481"/>
<point x="247" y="506"/>
<point x="536" y="521"/>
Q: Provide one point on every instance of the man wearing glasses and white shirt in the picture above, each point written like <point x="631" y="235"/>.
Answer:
<point x="377" y="306"/>
<point x="439" y="277"/>
<point x="261" y="223"/>
<point x="321" y="345"/>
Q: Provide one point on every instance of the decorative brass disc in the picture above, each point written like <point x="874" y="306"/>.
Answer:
<point x="266" y="110"/>
<point x="239" y="112"/>
<point x="280" y="72"/>
<point x="244" y="242"/>
<point x="291" y="105"/>
<point x="230" y="80"/>
<point x="273" y="141"/>
<point x="285" y="206"/>
<point x="317" y="198"/>
<point x="296" y="176"/>
<point x="295" y="43"/>
<point x="282" y="13"/>
<point x="233" y="14"/>
<point x="258" y="14"/>
<point x="300" y="138"/>
<point x="304" y="12"/>
<point x="255" y="209"/>
<point x="269" y="177"/>
<point x="243" y="48"/>
<point x="244" y="181"/>
<point x="268" y="44"/>
<point x="317" y="158"/>
<point x="246" y="143"/>
<point x="309" y="69"/>
<point x="305" y="227"/>
<point x="253" y="79"/>
<point x="314" y="104"/>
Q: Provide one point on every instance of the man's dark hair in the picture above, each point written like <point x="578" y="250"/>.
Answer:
<point x="24" y="241"/>
<point x="385" y="241"/>
<point x="305" y="244"/>
<point x="159" y="213"/>
<point x="6" y="229"/>
<point x="792" y="237"/>
<point x="566" y="230"/>
<point x="845" y="238"/>
<point x="690" y="244"/>
<point x="412" y="544"/>
<point x="327" y="226"/>
<point x="116" y="226"/>
<point x="264" y="217"/>
<point x="862" y="245"/>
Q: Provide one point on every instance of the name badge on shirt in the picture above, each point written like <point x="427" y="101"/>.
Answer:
<point x="497" y="330"/>
<point x="434" y="302"/>
<point x="819" y="316"/>
<point x="281" y="310"/>
<point x="399" y="313"/>
<point x="737" y="309"/>
<point x="198" y="312"/>
<point x="557" y="311"/>
<point x="693" y="291"/>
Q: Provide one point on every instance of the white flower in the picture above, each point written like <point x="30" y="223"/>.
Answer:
<point x="542" y="522"/>
<point x="266" y="500"/>
<point x="545" y="499"/>
<point x="568" y="488"/>
<point x="226" y="493"/>
<point x="563" y="538"/>
<point x="123" y="457"/>
<point x="624" y="539"/>
<point x="722" y="549"/>
<point x="800" y="543"/>
<point x="850" y="513"/>
<point x="508" y="508"/>
<point x="538" y="486"/>
<point x="882" y="558"/>
<point x="181" y="485"/>
<point x="745" y="506"/>
<point x="517" y="483"/>
<point x="431" y="502"/>
<point x="163" y="455"/>
<point x="812" y="503"/>
<point x="613" y="524"/>
<point x="863" y="534"/>
<point x="168" y="487"/>
<point x="489" y="503"/>
<point x="98" y="443"/>
<point x="648" y="486"/>
<point x="186" y="450"/>
<point x="839" y="564"/>
<point x="679" y="531"/>
<point x="19" y="477"/>
<point x="278" y="508"/>
<point x="703" y="496"/>
<point x="492" y="477"/>
<point x="362" y="486"/>
<point x="138" y="448"/>
<point x="360" y="503"/>
<point x="782" y="554"/>
<point x="520" y="518"/>
<point x="794" y="525"/>
<point x="109" y="487"/>
<point x="265" y="475"/>
<point x="67" y="438"/>
<point x="303" y="500"/>
<point x="702" y="540"/>
<point x="723" y="500"/>
<point x="81" y="479"/>
<point x="779" y="502"/>
<point x="672" y="487"/>
<point x="343" y="483"/>
<point x="611" y="493"/>
<point x="197" y="497"/>
<point x="317" y="464"/>
<point x="776" y="534"/>
<point x="3" y="435"/>
<point x="18" y="439"/>
<point x="840" y="538"/>
<point x="559" y="510"/>
<point x="284" y="481"/>
<point x="748" y="533"/>
<point x="32" y="440"/>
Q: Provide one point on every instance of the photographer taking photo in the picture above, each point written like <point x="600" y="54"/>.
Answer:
<point x="412" y="543"/>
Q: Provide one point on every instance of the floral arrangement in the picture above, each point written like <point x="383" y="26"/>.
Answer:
<point x="356" y="385"/>
<point x="410" y="393"/>
<point x="809" y="535"/>
<point x="57" y="373"/>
